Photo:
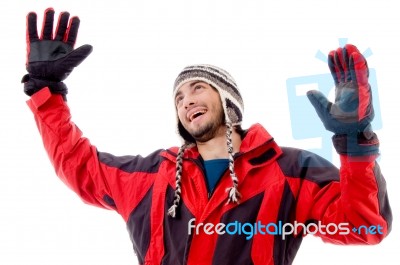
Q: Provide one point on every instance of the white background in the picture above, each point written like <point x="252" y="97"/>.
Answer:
<point x="121" y="99"/>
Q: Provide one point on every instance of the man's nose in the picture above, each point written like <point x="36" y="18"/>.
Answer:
<point x="188" y="101"/>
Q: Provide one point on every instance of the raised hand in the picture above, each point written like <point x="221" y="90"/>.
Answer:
<point x="52" y="57"/>
<point x="352" y="111"/>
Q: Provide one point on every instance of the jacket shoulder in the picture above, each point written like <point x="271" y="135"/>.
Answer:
<point x="299" y="163"/>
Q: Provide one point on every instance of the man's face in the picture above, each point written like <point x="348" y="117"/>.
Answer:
<point x="200" y="110"/>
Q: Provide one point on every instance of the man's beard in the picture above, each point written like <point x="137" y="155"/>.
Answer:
<point x="208" y="131"/>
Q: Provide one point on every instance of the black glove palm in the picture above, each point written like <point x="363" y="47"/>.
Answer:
<point x="51" y="60"/>
<point x="350" y="116"/>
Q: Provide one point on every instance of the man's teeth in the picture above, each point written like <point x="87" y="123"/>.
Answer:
<point x="197" y="114"/>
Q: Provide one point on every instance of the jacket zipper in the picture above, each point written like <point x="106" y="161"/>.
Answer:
<point x="200" y="165"/>
<point x="201" y="168"/>
<point x="235" y="157"/>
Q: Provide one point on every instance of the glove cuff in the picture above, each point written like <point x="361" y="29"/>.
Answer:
<point x="33" y="85"/>
<point x="356" y="145"/>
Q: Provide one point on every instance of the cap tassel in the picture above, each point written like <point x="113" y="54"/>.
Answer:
<point x="233" y="192"/>
<point x="177" y="196"/>
<point x="233" y="195"/>
<point x="172" y="211"/>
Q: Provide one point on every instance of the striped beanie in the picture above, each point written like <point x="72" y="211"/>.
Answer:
<point x="232" y="104"/>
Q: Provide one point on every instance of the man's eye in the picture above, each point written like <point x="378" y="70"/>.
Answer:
<point x="178" y="100"/>
<point x="198" y="87"/>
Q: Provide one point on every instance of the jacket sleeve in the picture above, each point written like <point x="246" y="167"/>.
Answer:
<point x="349" y="205"/>
<point x="99" y="179"/>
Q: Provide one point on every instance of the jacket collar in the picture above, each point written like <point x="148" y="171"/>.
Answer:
<point x="257" y="149"/>
<point x="257" y="145"/>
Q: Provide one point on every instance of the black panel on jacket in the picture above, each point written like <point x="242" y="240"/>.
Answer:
<point x="176" y="238"/>
<point x="139" y="226"/>
<point x="236" y="249"/>
<point x="297" y="163"/>
<point x="286" y="249"/>
<point x="130" y="164"/>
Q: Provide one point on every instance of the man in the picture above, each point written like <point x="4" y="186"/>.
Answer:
<point x="227" y="195"/>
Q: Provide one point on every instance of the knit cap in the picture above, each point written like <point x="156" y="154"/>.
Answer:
<point x="232" y="104"/>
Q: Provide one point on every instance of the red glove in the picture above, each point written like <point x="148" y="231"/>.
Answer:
<point x="350" y="116"/>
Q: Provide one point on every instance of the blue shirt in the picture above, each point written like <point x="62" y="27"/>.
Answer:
<point x="214" y="170"/>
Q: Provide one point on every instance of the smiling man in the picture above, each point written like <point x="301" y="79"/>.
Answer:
<point x="226" y="195"/>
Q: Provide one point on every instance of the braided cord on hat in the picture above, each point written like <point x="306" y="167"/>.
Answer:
<point x="233" y="193"/>
<point x="178" y="177"/>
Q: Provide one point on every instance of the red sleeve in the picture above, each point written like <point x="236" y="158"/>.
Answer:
<point x="363" y="203"/>
<point x="350" y="205"/>
<point x="73" y="157"/>
<point x="99" y="179"/>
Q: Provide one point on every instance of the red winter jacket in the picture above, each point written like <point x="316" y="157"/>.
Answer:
<point x="278" y="186"/>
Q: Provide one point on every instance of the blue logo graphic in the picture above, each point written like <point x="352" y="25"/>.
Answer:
<point x="304" y="119"/>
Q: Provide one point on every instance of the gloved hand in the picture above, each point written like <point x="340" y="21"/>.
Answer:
<point x="350" y="116"/>
<point x="50" y="59"/>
